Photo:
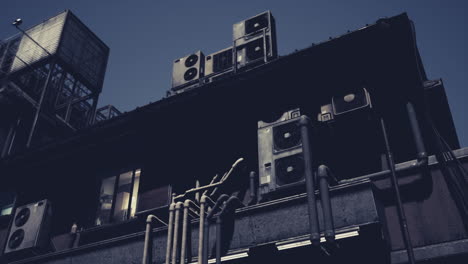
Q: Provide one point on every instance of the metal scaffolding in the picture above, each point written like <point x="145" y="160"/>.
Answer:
<point x="51" y="76"/>
<point x="106" y="112"/>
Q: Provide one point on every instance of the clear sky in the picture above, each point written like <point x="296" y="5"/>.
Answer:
<point x="145" y="36"/>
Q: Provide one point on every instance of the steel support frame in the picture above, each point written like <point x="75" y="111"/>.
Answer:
<point x="40" y="103"/>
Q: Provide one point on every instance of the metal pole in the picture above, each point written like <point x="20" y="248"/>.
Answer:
<point x="69" y="103"/>
<point x="253" y="196"/>
<point x="329" y="225"/>
<point x="10" y="137"/>
<point x="170" y="230"/>
<point x="148" y="246"/>
<point x="176" y="232"/>
<point x="310" y="185"/>
<point x="400" y="209"/>
<point x="417" y="136"/>
<point x="39" y="106"/>
<point x="92" y="113"/>
<point x="265" y="54"/>
<point x="185" y="223"/>
<point x="14" y="136"/>
<point x="218" y="239"/>
<point x="200" y="228"/>
<point x="219" y="202"/>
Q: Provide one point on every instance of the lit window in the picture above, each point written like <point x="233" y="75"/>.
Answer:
<point x="7" y="200"/>
<point x="118" y="197"/>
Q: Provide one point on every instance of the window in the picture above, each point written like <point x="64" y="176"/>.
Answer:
<point x="7" y="200"/>
<point x="118" y="197"/>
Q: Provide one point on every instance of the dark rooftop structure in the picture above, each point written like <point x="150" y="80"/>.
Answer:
<point x="380" y="119"/>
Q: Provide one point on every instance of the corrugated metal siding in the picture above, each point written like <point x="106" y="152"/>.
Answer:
<point x="47" y="34"/>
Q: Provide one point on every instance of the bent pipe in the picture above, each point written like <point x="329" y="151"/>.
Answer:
<point x="170" y="230"/>
<point x="231" y="204"/>
<point x="212" y="185"/>
<point x="323" y="173"/>
<point x="310" y="185"/>
<point x="206" y="234"/>
<point x="175" y="239"/>
<point x="148" y="245"/>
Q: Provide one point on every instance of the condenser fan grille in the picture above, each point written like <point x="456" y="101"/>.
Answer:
<point x="289" y="169"/>
<point x="16" y="239"/>
<point x="22" y="217"/>
<point x="286" y="136"/>
<point x="256" y="24"/>
<point x="190" y="74"/>
<point x="350" y="102"/>
<point x="191" y="60"/>
<point x="255" y="49"/>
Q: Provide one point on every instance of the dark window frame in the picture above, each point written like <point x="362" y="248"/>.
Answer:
<point x="110" y="219"/>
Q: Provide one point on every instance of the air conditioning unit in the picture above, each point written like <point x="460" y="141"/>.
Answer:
<point x="218" y="62"/>
<point x="188" y="70"/>
<point x="255" y="40"/>
<point x="280" y="154"/>
<point x="30" y="229"/>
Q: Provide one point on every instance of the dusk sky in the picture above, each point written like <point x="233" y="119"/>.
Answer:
<point x="145" y="37"/>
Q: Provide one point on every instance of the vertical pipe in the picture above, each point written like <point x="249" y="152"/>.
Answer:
<point x="206" y="241"/>
<point x="9" y="138"/>
<point x="197" y="194"/>
<point x="218" y="239"/>
<point x="253" y="197"/>
<point x="234" y="56"/>
<point x="200" y="229"/>
<point x="39" y="105"/>
<point x="70" y="100"/>
<point x="12" y="141"/>
<point x="170" y="229"/>
<point x="92" y="112"/>
<point x="329" y="225"/>
<point x="175" y="241"/>
<point x="310" y="185"/>
<point x="185" y="221"/>
<point x="206" y="234"/>
<point x="416" y="130"/>
<point x="400" y="209"/>
<point x="265" y="52"/>
<point x="148" y="246"/>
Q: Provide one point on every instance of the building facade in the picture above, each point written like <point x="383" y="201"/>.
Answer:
<point x="372" y="113"/>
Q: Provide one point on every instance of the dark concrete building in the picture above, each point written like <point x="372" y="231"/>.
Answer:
<point x="318" y="189"/>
